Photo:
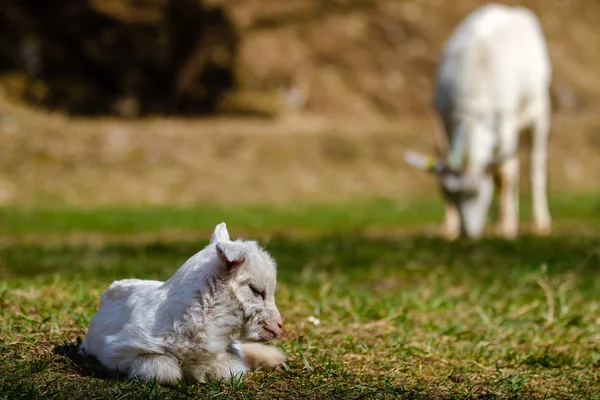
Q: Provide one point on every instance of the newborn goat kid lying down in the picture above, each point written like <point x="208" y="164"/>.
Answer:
<point x="189" y="326"/>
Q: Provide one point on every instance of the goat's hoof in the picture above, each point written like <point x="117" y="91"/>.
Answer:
<point x="448" y="234"/>
<point x="541" y="231"/>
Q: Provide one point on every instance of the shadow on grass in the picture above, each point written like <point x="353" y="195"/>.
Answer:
<point x="82" y="364"/>
<point x="89" y="367"/>
<point x="351" y="254"/>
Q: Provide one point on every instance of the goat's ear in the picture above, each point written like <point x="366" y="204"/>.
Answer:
<point x="220" y="234"/>
<point x="231" y="255"/>
<point x="423" y="162"/>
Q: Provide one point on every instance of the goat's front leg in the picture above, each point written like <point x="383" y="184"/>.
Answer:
<point x="451" y="225"/>
<point x="226" y="365"/>
<point x="508" y="176"/>
<point x="262" y="356"/>
<point x="508" y="179"/>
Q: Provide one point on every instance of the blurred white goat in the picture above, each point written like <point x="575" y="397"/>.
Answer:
<point x="189" y="326"/>
<point x="492" y="84"/>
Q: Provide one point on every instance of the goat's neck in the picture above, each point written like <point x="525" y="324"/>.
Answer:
<point x="213" y="315"/>
<point x="471" y="145"/>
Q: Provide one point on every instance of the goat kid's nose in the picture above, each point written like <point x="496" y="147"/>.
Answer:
<point x="275" y="327"/>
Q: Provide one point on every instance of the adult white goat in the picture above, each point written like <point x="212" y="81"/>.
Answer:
<point x="492" y="83"/>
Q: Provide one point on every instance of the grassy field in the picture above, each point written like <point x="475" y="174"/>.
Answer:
<point x="403" y="314"/>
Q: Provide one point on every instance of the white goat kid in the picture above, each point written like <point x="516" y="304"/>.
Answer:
<point x="492" y="83"/>
<point x="189" y="326"/>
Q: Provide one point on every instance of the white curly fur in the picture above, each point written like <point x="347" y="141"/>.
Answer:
<point x="193" y="325"/>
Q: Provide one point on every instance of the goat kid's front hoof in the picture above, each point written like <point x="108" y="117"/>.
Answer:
<point x="273" y="358"/>
<point x="263" y="356"/>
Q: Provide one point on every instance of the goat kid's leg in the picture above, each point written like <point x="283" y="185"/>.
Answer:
<point x="164" y="369"/>
<point x="539" y="157"/>
<point x="262" y="356"/>
<point x="508" y="177"/>
<point x="226" y="365"/>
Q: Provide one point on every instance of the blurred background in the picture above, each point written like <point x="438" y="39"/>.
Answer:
<point x="181" y="102"/>
<point x="129" y="128"/>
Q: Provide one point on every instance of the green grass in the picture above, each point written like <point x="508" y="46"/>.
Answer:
<point x="341" y="217"/>
<point x="402" y="315"/>
<point x="328" y="217"/>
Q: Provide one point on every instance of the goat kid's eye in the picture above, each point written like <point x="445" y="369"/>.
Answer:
<point x="257" y="291"/>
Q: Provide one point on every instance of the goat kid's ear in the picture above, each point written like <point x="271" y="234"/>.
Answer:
<point x="220" y="234"/>
<point x="231" y="255"/>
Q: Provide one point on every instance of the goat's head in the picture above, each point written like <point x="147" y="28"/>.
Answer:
<point x="250" y="275"/>
<point x="470" y="191"/>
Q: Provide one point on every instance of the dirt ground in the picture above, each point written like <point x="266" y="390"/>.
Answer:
<point x="378" y="56"/>
<point x="51" y="159"/>
<point x="356" y="79"/>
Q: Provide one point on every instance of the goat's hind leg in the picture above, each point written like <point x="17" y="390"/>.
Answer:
<point x="539" y="174"/>
<point x="161" y="368"/>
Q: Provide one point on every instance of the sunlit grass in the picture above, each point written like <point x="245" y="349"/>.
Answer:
<point x="331" y="217"/>
<point x="402" y="316"/>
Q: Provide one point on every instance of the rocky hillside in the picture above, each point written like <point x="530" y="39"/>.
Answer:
<point x="364" y="57"/>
